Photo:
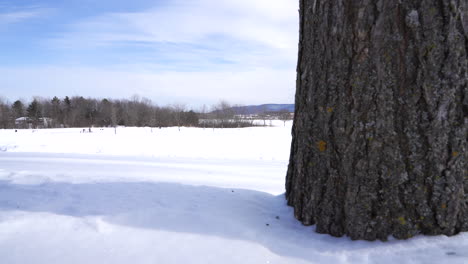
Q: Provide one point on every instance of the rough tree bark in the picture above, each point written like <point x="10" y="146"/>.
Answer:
<point x="381" y="119"/>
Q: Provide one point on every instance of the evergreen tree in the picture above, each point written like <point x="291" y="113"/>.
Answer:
<point x="18" y="109"/>
<point x="34" y="112"/>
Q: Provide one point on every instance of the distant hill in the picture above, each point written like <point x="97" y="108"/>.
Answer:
<point x="258" y="109"/>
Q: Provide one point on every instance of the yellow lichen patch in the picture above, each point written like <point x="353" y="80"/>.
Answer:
<point x="444" y="206"/>
<point x="330" y="109"/>
<point x="322" y="145"/>
<point x="402" y="220"/>
<point x="455" y="153"/>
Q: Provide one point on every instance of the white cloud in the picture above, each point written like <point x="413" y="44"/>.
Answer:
<point x="192" y="88"/>
<point x="272" y="22"/>
<point x="257" y="37"/>
<point x="267" y="28"/>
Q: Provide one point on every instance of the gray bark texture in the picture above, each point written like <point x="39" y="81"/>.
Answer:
<point x="380" y="131"/>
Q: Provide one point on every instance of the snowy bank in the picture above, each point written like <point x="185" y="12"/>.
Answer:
<point x="194" y="196"/>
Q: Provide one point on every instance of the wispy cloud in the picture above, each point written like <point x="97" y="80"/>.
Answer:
<point x="269" y="22"/>
<point x="237" y="31"/>
<point x="13" y="17"/>
<point x="194" y="52"/>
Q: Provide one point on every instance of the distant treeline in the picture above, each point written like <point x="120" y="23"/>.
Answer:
<point x="78" y="111"/>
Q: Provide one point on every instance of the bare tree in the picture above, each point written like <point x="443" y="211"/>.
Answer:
<point x="284" y="116"/>
<point x="224" y="112"/>
<point x="178" y="111"/>
<point x="5" y="114"/>
<point x="264" y="114"/>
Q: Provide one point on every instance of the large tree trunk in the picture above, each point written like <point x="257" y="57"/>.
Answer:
<point x="381" y="119"/>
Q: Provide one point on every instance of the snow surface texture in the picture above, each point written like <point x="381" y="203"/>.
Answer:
<point x="164" y="196"/>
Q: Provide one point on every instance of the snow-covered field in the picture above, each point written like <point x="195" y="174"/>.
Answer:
<point x="168" y="196"/>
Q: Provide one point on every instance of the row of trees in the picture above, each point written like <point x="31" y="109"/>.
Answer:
<point x="86" y="112"/>
<point x="78" y="111"/>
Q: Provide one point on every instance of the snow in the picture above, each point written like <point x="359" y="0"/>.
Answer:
<point x="227" y="144"/>
<point x="168" y="196"/>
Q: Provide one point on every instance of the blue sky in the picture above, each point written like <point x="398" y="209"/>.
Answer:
<point x="170" y="51"/>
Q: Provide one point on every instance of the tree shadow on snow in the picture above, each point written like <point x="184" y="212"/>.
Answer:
<point x="228" y="213"/>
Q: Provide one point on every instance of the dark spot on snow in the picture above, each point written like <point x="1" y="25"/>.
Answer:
<point x="450" y="253"/>
<point x="232" y="190"/>
<point x="277" y="217"/>
<point x="267" y="224"/>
